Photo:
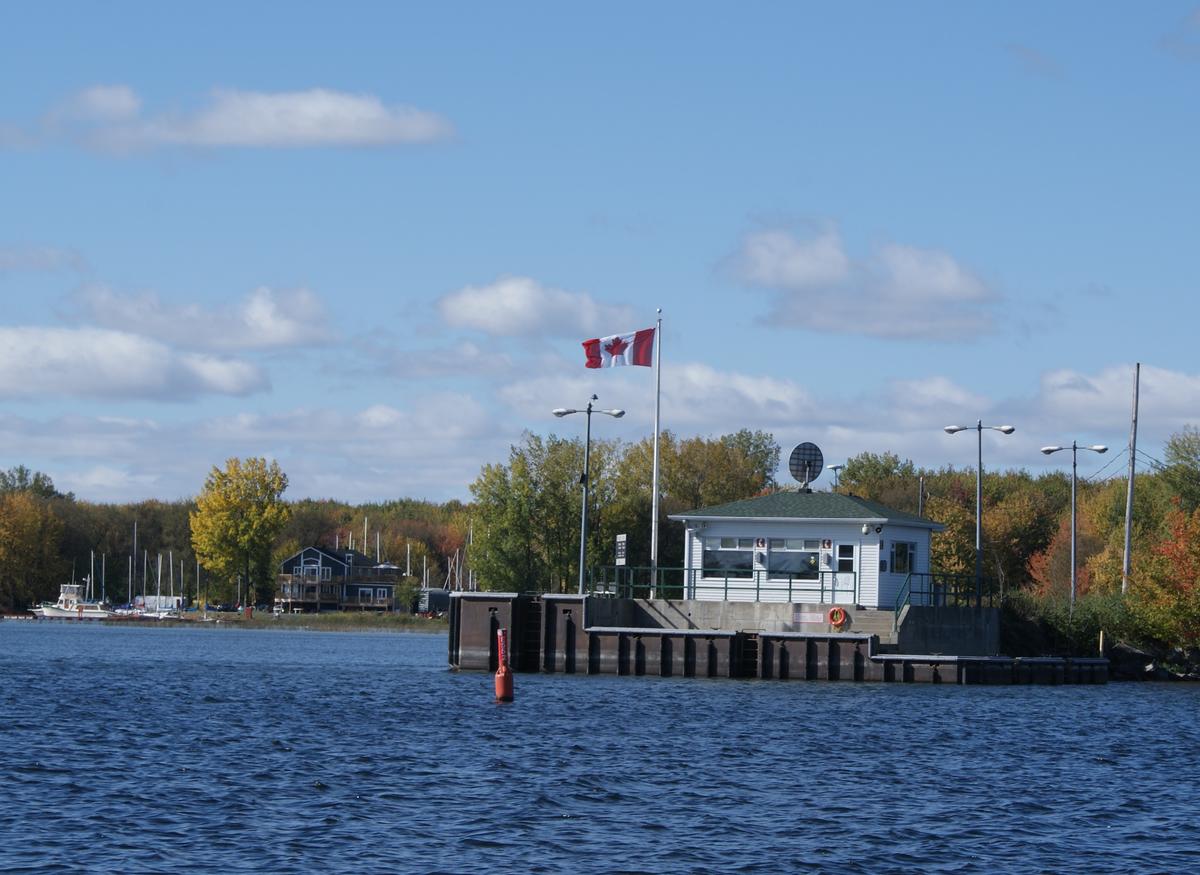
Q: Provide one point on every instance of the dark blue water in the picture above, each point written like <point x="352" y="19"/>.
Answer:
<point x="215" y="750"/>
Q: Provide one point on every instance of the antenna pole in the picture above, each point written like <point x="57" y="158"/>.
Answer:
<point x="1125" y="561"/>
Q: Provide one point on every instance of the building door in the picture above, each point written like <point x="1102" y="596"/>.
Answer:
<point x="845" y="575"/>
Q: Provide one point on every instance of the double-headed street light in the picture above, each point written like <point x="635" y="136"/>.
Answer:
<point x="979" y="427"/>
<point x="587" y="459"/>
<point x="1074" y="448"/>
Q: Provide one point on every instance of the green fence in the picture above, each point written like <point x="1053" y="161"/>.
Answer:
<point x="940" y="590"/>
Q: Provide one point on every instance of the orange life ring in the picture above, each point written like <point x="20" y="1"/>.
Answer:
<point x="837" y="617"/>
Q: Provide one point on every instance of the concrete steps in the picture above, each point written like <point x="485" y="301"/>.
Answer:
<point x="867" y="622"/>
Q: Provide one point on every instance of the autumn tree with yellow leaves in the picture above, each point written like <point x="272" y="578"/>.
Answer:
<point x="239" y="514"/>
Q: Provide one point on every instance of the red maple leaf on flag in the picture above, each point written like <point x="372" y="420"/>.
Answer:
<point x="616" y="347"/>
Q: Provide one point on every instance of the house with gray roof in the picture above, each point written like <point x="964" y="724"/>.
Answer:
<point x="804" y="547"/>
<point x="323" y="579"/>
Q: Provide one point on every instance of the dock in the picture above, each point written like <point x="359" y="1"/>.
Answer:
<point x="569" y="634"/>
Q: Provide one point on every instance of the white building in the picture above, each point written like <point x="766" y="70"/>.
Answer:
<point x="804" y="547"/>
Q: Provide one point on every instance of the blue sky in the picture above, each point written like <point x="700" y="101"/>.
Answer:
<point x="367" y="239"/>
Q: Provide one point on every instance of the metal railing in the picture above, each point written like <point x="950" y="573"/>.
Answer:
<point x="942" y="590"/>
<point x="828" y="587"/>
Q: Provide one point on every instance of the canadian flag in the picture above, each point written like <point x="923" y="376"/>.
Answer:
<point x="634" y="348"/>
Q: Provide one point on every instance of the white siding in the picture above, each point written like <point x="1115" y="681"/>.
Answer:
<point x="892" y="583"/>
<point x="850" y="586"/>
<point x="872" y="588"/>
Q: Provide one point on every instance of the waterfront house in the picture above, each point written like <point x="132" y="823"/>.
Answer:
<point x="325" y="579"/>
<point x="799" y="546"/>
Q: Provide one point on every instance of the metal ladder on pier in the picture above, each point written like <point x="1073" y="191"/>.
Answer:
<point x="748" y="657"/>
<point x="530" y="655"/>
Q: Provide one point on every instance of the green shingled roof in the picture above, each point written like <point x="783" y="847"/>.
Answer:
<point x="805" y="505"/>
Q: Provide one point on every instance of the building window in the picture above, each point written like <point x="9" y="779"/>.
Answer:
<point x="728" y="557"/>
<point x="794" y="559"/>
<point x="381" y="594"/>
<point x="845" y="557"/>
<point x="904" y="557"/>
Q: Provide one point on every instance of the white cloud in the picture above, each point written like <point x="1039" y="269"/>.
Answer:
<point x="110" y="118"/>
<point x="265" y="319"/>
<point x="100" y="103"/>
<point x="98" y="363"/>
<point x="522" y="307"/>
<point x="905" y="417"/>
<point x="433" y="446"/>
<point x="694" y="397"/>
<point x="1097" y="401"/>
<point x="776" y="258"/>
<point x="899" y="292"/>
<point x="917" y="403"/>
<point x="459" y="359"/>
<point x="39" y="258"/>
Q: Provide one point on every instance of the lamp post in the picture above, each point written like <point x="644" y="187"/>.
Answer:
<point x="587" y="461"/>
<point x="979" y="427"/>
<point x="1074" y="448"/>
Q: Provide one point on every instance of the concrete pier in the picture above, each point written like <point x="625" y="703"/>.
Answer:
<point x="568" y="634"/>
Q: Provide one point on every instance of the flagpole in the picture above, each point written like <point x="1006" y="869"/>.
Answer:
<point x="654" y="500"/>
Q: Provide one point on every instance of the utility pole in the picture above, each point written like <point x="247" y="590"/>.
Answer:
<point x="1127" y="557"/>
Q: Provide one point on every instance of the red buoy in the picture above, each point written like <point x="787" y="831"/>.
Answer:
<point x="504" y="678"/>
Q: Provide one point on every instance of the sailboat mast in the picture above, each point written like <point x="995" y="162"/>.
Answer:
<point x="1127" y="557"/>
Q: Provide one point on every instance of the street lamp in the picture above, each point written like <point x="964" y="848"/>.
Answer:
<point x="979" y="427"/>
<point x="587" y="460"/>
<point x="1074" y="448"/>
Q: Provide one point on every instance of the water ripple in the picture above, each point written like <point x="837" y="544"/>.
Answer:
<point x="179" y="750"/>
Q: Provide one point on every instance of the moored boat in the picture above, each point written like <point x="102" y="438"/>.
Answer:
<point x="70" y="606"/>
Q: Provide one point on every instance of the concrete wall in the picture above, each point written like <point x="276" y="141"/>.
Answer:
<point x="552" y="631"/>
<point x="957" y="631"/>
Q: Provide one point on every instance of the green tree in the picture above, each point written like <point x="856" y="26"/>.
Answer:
<point x="884" y="477"/>
<point x="21" y="479"/>
<point x="30" y="562"/>
<point x="506" y="553"/>
<point x="760" y="450"/>
<point x="238" y="516"/>
<point x="1182" y="469"/>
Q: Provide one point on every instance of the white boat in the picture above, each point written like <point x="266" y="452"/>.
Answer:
<point x="71" y="607"/>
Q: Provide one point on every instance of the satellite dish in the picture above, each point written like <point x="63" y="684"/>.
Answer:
<point x="806" y="463"/>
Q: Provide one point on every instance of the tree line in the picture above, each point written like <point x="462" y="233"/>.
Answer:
<point x="48" y="537"/>
<point x="522" y="526"/>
